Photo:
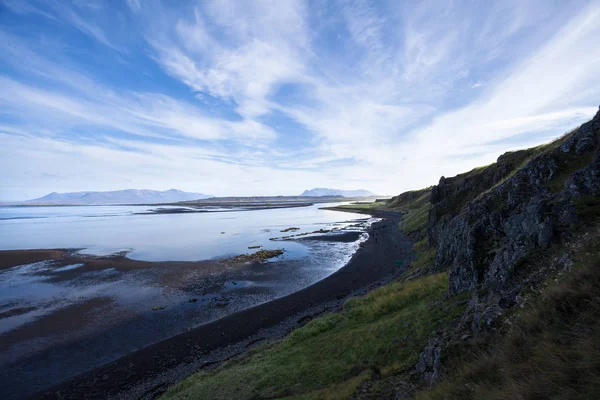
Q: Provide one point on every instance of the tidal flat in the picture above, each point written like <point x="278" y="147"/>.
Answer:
<point x="83" y="286"/>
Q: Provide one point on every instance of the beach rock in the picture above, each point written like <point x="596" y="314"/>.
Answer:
<point x="585" y="181"/>
<point x="491" y="314"/>
<point x="429" y="364"/>
<point x="404" y="390"/>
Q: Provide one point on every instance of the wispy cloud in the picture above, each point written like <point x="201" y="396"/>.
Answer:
<point x="88" y="28"/>
<point x="214" y="95"/>
<point x="62" y="12"/>
<point x="134" y="5"/>
<point x="262" y="50"/>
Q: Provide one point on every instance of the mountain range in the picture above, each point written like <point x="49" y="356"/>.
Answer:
<point x="129" y="196"/>
<point x="147" y="196"/>
<point x="318" y="192"/>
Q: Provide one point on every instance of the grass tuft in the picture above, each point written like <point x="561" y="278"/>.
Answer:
<point x="417" y="217"/>
<point x="425" y="256"/>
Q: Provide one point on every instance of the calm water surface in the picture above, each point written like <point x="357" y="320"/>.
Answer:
<point x="161" y="237"/>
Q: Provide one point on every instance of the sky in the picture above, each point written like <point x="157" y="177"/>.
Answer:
<point x="266" y="97"/>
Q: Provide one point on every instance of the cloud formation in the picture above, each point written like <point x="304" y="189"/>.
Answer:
<point x="272" y="97"/>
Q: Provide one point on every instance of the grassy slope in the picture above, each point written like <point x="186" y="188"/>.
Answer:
<point x="415" y="211"/>
<point x="380" y="333"/>
<point x="549" y="350"/>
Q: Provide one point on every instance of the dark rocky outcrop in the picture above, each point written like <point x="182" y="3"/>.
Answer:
<point x="488" y="223"/>
<point x="429" y="365"/>
<point x="485" y="224"/>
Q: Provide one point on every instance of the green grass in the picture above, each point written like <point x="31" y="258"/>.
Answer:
<point x="550" y="351"/>
<point x="568" y="164"/>
<point x="528" y="155"/>
<point x="381" y="333"/>
<point x="409" y="200"/>
<point x="417" y="216"/>
<point x="414" y="206"/>
<point x="361" y="206"/>
<point x="424" y="256"/>
<point x="533" y="152"/>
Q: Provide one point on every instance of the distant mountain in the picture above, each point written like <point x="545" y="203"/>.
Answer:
<point x="317" y="192"/>
<point x="129" y="196"/>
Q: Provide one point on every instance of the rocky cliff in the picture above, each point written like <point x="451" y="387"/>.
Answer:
<point x="484" y="223"/>
<point x="488" y="224"/>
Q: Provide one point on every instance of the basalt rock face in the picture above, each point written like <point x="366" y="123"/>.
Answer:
<point x="452" y="194"/>
<point x="485" y="223"/>
<point x="429" y="365"/>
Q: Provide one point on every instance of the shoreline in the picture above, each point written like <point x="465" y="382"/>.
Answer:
<point x="258" y="202"/>
<point x="191" y="209"/>
<point x="61" y="257"/>
<point x="119" y="261"/>
<point x="150" y="370"/>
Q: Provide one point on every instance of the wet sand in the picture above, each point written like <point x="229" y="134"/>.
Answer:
<point x="148" y="371"/>
<point x="10" y="258"/>
<point x="347" y="237"/>
<point x="76" y="317"/>
<point x="119" y="261"/>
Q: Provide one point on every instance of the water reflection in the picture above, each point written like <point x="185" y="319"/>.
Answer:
<point x="160" y="237"/>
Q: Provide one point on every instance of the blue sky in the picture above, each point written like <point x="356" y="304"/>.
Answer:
<point x="274" y="97"/>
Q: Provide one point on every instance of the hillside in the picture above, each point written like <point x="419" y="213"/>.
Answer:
<point x="129" y="196"/>
<point x="318" y="192"/>
<point x="501" y="302"/>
